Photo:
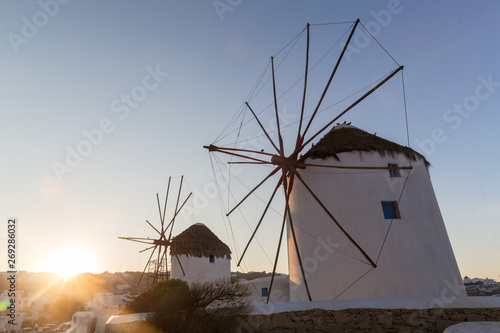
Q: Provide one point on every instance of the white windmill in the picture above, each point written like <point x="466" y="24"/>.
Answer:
<point x="380" y="236"/>
<point x="200" y="256"/>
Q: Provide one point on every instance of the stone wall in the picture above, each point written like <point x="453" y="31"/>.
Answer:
<point x="366" y="320"/>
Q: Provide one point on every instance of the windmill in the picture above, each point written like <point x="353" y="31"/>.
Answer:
<point x="160" y="244"/>
<point x="285" y="166"/>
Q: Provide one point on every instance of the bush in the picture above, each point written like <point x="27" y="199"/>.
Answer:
<point x="173" y="306"/>
<point x="163" y="296"/>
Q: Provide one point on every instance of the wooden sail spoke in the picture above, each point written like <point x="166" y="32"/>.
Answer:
<point x="299" y="140"/>
<point x="330" y="79"/>
<point x="260" y="221"/>
<point x="180" y="265"/>
<point x="280" y="139"/>
<point x="245" y="150"/>
<point x="165" y="205"/>
<point x="138" y="240"/>
<point x="277" y="256"/>
<point x="333" y="219"/>
<point x="349" y="108"/>
<point x="260" y="163"/>
<point x="253" y="190"/>
<point x="262" y="127"/>
<point x="148" y="248"/>
<point x="292" y="229"/>
<point x="147" y="263"/>
<point x="152" y="226"/>
<point x="158" y="264"/>
<point x="159" y="209"/>
<point x="177" y="212"/>
<point x="176" y="206"/>
<point x="215" y="148"/>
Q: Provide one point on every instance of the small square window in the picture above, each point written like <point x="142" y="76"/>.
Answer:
<point x="394" y="172"/>
<point x="390" y="209"/>
<point x="211" y="259"/>
<point x="265" y="292"/>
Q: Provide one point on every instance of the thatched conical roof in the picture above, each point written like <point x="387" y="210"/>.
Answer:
<point x="347" y="138"/>
<point x="199" y="241"/>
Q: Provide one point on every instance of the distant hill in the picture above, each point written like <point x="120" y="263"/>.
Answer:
<point x="237" y="276"/>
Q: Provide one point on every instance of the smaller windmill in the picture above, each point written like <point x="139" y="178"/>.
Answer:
<point x="159" y="245"/>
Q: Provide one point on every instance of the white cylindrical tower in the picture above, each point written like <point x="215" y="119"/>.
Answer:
<point x="393" y="215"/>
<point x="203" y="257"/>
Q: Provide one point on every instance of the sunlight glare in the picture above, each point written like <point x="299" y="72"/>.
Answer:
<point x="71" y="260"/>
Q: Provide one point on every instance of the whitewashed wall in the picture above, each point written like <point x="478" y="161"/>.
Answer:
<point x="417" y="259"/>
<point x="280" y="291"/>
<point x="199" y="270"/>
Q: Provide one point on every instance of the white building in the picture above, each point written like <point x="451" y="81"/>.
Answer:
<point x="103" y="306"/>
<point x="91" y="321"/>
<point x="203" y="257"/>
<point x="104" y="301"/>
<point x="259" y="289"/>
<point x="393" y="216"/>
<point x="28" y="307"/>
<point x="485" y="282"/>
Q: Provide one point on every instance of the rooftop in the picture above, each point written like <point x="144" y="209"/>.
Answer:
<point x="346" y="138"/>
<point x="199" y="241"/>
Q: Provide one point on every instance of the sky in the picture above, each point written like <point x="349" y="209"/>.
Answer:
<point x="103" y="101"/>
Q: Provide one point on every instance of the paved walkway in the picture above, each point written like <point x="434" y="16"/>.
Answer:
<point x="475" y="327"/>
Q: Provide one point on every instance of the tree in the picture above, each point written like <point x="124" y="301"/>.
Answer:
<point x="173" y="306"/>
<point x="217" y="306"/>
<point x="162" y="296"/>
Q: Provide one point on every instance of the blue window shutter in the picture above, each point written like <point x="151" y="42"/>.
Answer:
<point x="265" y="292"/>
<point x="394" y="173"/>
<point x="390" y="210"/>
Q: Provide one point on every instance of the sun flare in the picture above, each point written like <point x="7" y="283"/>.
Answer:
<point x="71" y="260"/>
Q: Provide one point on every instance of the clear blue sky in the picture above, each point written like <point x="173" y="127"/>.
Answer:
<point x="67" y="68"/>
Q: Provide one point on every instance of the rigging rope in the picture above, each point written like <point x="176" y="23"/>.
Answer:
<point x="246" y="221"/>
<point x="242" y="107"/>
<point x="352" y="284"/>
<point x="406" y="111"/>
<point x="223" y="209"/>
<point x="380" y="44"/>
<point x="392" y="220"/>
<point x="332" y="23"/>
<point x="320" y="111"/>
<point x="248" y="188"/>
<point x="296" y="37"/>
<point x="286" y="91"/>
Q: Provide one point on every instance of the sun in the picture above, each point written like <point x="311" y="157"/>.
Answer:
<point x="71" y="260"/>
